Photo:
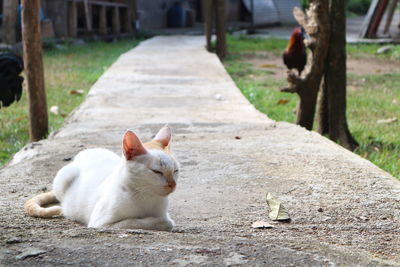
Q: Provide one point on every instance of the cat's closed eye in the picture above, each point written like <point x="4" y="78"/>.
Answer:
<point x="158" y="172"/>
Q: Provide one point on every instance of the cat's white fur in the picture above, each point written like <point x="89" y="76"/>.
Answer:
<point x="101" y="189"/>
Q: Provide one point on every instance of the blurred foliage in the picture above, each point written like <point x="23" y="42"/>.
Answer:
<point x="357" y="7"/>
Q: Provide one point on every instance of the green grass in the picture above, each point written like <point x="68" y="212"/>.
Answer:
<point x="376" y="100"/>
<point x="371" y="97"/>
<point x="262" y="92"/>
<point x="369" y="51"/>
<point x="243" y="45"/>
<point x="71" y="68"/>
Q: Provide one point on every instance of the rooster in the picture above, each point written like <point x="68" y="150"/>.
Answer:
<point x="11" y="66"/>
<point x="295" y="56"/>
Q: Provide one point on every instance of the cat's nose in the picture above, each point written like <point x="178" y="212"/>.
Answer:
<point x="171" y="184"/>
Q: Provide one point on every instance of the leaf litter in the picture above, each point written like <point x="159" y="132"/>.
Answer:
<point x="261" y="225"/>
<point x="278" y="212"/>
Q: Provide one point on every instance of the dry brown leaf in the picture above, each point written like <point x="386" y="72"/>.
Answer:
<point x="268" y="66"/>
<point x="18" y="119"/>
<point x="282" y="101"/>
<point x="261" y="225"/>
<point x="75" y="92"/>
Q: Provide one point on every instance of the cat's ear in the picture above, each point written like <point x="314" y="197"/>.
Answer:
<point x="164" y="136"/>
<point x="132" y="146"/>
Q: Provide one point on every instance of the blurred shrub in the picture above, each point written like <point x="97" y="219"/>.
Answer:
<point x="304" y="4"/>
<point x="359" y="7"/>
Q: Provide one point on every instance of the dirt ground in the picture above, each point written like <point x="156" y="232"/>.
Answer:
<point x="345" y="211"/>
<point x="274" y="64"/>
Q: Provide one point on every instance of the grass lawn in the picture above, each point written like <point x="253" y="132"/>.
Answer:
<point x="72" y="67"/>
<point x="373" y="92"/>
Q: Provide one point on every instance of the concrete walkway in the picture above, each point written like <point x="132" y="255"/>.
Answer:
<point x="345" y="211"/>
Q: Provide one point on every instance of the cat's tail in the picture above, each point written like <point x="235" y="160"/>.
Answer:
<point x="35" y="206"/>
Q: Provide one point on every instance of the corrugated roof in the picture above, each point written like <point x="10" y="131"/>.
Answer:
<point x="272" y="11"/>
<point x="265" y="11"/>
<point x="285" y="10"/>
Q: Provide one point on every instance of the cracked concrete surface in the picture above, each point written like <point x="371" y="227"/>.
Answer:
<point x="345" y="211"/>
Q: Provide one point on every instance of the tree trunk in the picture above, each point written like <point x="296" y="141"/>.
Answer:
<point x="33" y="64"/>
<point x="220" y="25"/>
<point x="306" y="108"/>
<point x="10" y="16"/>
<point x="316" y="24"/>
<point x="335" y="78"/>
<point x="323" y="121"/>
<point x="214" y="14"/>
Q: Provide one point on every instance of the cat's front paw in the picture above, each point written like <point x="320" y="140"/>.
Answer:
<point x="166" y="225"/>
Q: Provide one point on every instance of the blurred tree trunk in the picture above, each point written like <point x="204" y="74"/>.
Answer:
<point x="208" y="11"/>
<point x="33" y="64"/>
<point x="214" y="15"/>
<point x="325" y="23"/>
<point x="332" y="109"/>
<point x="10" y="17"/>
<point x="323" y="112"/>
<point x="220" y="25"/>
<point x="316" y="25"/>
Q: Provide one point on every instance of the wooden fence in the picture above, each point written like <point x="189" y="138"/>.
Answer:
<point x="99" y="16"/>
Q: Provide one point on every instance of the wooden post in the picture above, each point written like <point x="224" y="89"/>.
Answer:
<point x="116" y="24"/>
<point x="377" y="18"/>
<point x="220" y="25"/>
<point x="33" y="63"/>
<point x="103" y="20"/>
<point x="88" y="15"/>
<point x="208" y="19"/>
<point x="214" y="14"/>
<point x="73" y="20"/>
<point x="10" y="12"/>
<point x="133" y="14"/>
<point x="251" y="30"/>
<point x="128" y="20"/>
<point x="389" y="18"/>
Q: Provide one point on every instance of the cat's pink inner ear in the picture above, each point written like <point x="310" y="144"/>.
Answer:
<point x="132" y="146"/>
<point x="164" y="136"/>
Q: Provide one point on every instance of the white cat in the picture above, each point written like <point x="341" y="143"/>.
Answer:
<point x="101" y="189"/>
